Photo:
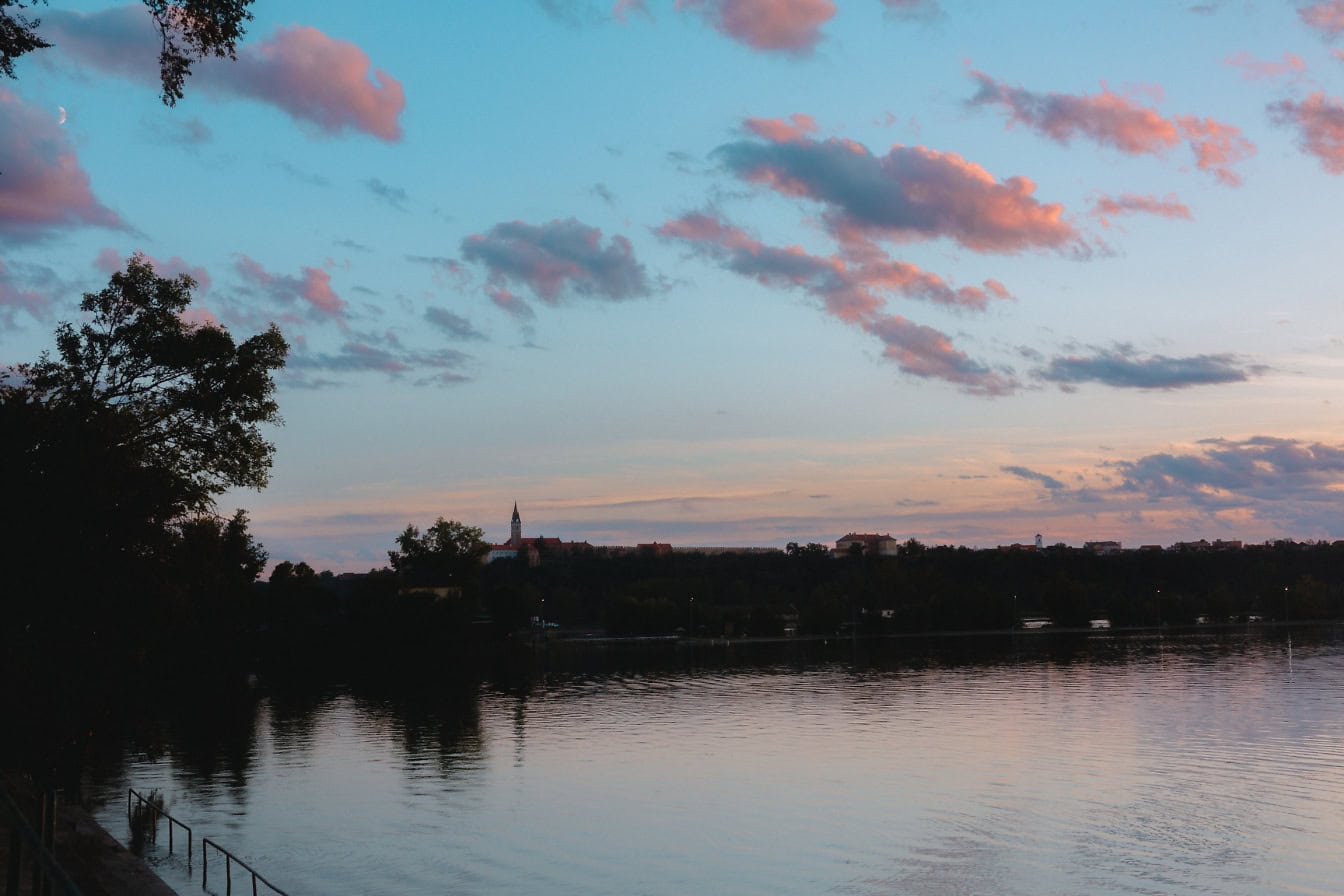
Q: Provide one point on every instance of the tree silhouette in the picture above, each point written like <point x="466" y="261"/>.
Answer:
<point x="189" y="30"/>
<point x="115" y="448"/>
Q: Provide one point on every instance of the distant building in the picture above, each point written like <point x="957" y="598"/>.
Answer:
<point x="534" y="549"/>
<point x="1103" y="547"/>
<point x="869" y="545"/>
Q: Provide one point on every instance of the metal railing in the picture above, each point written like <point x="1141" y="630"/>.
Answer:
<point x="157" y="810"/>
<point x="229" y="859"/>
<point x="46" y="871"/>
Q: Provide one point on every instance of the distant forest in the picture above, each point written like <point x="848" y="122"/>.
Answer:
<point x="805" y="591"/>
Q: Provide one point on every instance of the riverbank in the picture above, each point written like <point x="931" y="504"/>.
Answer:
<point x="94" y="860"/>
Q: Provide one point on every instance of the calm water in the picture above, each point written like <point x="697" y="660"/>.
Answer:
<point x="1096" y="766"/>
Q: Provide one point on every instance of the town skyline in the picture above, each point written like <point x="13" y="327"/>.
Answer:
<point x="729" y="273"/>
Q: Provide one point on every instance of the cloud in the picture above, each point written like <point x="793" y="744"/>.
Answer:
<point x="313" y="287"/>
<point x="1291" y="66"/>
<point x="621" y="9"/>
<point x="1122" y="368"/>
<point x="453" y="324"/>
<point x="911" y="193"/>
<point x="441" y="367"/>
<point x="393" y="196"/>
<point x="552" y="259"/>
<point x="110" y="261"/>
<point x="1319" y="120"/>
<point x="1326" y="17"/>
<point x="928" y="353"/>
<point x="1263" y="469"/>
<point x="189" y="132"/>
<point x="510" y="303"/>
<point x="196" y="316"/>
<point x="24" y="288"/>
<point x="854" y="292"/>
<point x="777" y="130"/>
<point x="911" y="10"/>
<point x="1120" y="123"/>
<point x="1049" y="482"/>
<point x="1107" y="207"/>
<point x="43" y="189"/>
<point x="317" y="80"/>
<point x="850" y="290"/>
<point x="307" y="177"/>
<point x="791" y="26"/>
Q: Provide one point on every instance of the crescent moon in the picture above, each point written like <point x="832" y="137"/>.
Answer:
<point x="61" y="120"/>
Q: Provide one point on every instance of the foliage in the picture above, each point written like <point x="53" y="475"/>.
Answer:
<point x="116" y="449"/>
<point x="189" y="30"/>
<point x="448" y="553"/>
<point x="18" y="34"/>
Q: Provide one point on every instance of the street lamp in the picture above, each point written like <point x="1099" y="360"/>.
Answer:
<point x="690" y="619"/>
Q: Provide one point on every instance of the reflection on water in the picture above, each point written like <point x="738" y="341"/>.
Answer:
<point x="1027" y="765"/>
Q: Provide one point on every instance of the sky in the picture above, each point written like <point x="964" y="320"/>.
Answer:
<point x="729" y="272"/>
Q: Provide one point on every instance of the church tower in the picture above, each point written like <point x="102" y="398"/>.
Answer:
<point x="516" y="529"/>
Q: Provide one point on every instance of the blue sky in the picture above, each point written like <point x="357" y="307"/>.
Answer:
<point x="730" y="271"/>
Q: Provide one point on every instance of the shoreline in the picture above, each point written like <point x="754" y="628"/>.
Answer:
<point x="95" y="861"/>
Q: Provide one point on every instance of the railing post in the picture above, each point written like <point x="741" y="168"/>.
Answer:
<point x="15" y="862"/>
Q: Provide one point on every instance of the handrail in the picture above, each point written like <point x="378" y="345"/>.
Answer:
<point x="21" y="831"/>
<point x="144" y="801"/>
<point x="228" y="870"/>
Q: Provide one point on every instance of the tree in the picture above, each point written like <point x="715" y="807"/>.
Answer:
<point x="114" y="446"/>
<point x="189" y="30"/>
<point x="448" y="553"/>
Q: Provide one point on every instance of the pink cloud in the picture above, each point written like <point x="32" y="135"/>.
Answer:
<point x="1253" y="69"/>
<point x="621" y="9"/>
<point x="1217" y="146"/>
<point x="789" y="25"/>
<point x="1108" y="207"/>
<point x="778" y="130"/>
<point x="854" y="292"/>
<point x="928" y="353"/>
<point x="911" y="193"/>
<point x="43" y="189"/>
<point x="1319" y="120"/>
<point x="1119" y="122"/>
<point x="315" y="79"/>
<point x="314" y="287"/>
<point x="196" y="316"/>
<point x="509" y="302"/>
<point x="318" y="79"/>
<point x="1326" y="17"/>
<point x="110" y="261"/>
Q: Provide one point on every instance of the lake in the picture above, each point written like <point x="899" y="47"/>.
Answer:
<point x="1028" y="764"/>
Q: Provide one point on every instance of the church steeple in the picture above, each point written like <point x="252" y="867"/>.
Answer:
<point x="516" y="529"/>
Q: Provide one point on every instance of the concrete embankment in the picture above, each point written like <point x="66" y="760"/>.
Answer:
<point x="93" y="859"/>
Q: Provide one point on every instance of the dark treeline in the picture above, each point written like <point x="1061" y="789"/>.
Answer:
<point x="356" y="620"/>
<point x="922" y="590"/>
